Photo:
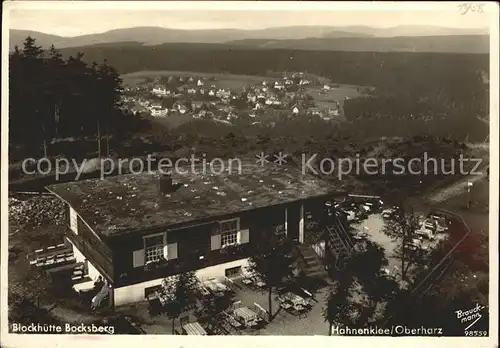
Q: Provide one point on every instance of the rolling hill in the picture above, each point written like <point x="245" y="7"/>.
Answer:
<point x="159" y="35"/>
<point x="438" y="44"/>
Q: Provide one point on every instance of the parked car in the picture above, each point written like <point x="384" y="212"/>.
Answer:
<point x="430" y="224"/>
<point x="388" y="213"/>
<point x="424" y="232"/>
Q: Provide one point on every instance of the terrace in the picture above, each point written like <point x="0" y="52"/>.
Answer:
<point x="244" y="301"/>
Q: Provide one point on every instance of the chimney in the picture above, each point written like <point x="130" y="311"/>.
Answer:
<point x="166" y="183"/>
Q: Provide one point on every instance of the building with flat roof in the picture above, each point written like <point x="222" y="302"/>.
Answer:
<point x="135" y="230"/>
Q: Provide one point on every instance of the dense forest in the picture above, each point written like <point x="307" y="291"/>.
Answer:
<point x="62" y="94"/>
<point x="410" y="84"/>
<point x="50" y="97"/>
<point x="446" y="78"/>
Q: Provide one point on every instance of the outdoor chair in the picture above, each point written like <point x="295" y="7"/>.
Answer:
<point x="233" y="322"/>
<point x="154" y="306"/>
<point x="247" y="281"/>
<point x="261" y="312"/>
<point x="235" y="305"/>
<point x="301" y="311"/>
<point x="288" y="307"/>
<point x="280" y="299"/>
<point x="184" y="320"/>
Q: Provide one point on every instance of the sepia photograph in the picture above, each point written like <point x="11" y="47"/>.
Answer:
<point x="273" y="169"/>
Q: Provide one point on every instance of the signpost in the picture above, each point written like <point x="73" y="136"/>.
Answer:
<point x="469" y="186"/>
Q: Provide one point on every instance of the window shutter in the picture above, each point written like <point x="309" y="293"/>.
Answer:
<point x="244" y="236"/>
<point x="73" y="220"/>
<point x="216" y="242"/>
<point x="138" y="258"/>
<point x="172" y="251"/>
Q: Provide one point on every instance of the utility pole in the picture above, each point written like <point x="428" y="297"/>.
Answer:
<point x="469" y="186"/>
<point x="98" y="139"/>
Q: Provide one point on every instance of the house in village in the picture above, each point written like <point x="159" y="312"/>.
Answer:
<point x="252" y="98"/>
<point x="279" y="86"/>
<point x="295" y="110"/>
<point x="333" y="112"/>
<point x="159" y="91"/>
<point x="261" y="97"/>
<point x="158" y="111"/>
<point x="136" y="230"/>
<point x="200" y="83"/>
<point x="196" y="104"/>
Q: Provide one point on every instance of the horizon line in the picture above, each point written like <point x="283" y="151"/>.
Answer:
<point x="265" y="28"/>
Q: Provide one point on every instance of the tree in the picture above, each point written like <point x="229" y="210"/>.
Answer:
<point x="403" y="226"/>
<point x="181" y="292"/>
<point x="51" y="97"/>
<point x="27" y="291"/>
<point x="54" y="87"/>
<point x="366" y="268"/>
<point x="340" y="307"/>
<point x="273" y="263"/>
<point x="32" y="79"/>
<point x="212" y="306"/>
<point x="110" y="90"/>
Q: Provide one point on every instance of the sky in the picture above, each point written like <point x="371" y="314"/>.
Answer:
<point x="95" y="17"/>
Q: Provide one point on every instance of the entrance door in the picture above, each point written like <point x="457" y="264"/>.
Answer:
<point x="293" y="216"/>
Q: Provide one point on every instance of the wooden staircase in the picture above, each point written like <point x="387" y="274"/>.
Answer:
<point x="311" y="264"/>
<point x="339" y="241"/>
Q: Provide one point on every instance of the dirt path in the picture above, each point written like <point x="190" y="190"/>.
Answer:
<point x="70" y="316"/>
<point x="460" y="187"/>
<point x="454" y="189"/>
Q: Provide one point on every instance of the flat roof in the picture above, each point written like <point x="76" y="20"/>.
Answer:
<point x="126" y="203"/>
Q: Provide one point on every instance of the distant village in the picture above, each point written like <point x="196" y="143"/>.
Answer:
<point x="201" y="98"/>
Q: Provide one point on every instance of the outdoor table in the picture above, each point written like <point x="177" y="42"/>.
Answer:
<point x="246" y="314"/>
<point x="295" y="299"/>
<point x="212" y="286"/>
<point x="194" y="329"/>
<point x="204" y="291"/>
<point x="259" y="283"/>
<point x="221" y="286"/>
<point x="246" y="281"/>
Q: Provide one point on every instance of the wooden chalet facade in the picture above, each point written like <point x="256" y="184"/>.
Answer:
<point x="214" y="244"/>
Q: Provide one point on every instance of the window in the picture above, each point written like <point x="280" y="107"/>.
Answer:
<point x="233" y="271"/>
<point x="153" y="248"/>
<point x="229" y="232"/>
<point x="148" y="292"/>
